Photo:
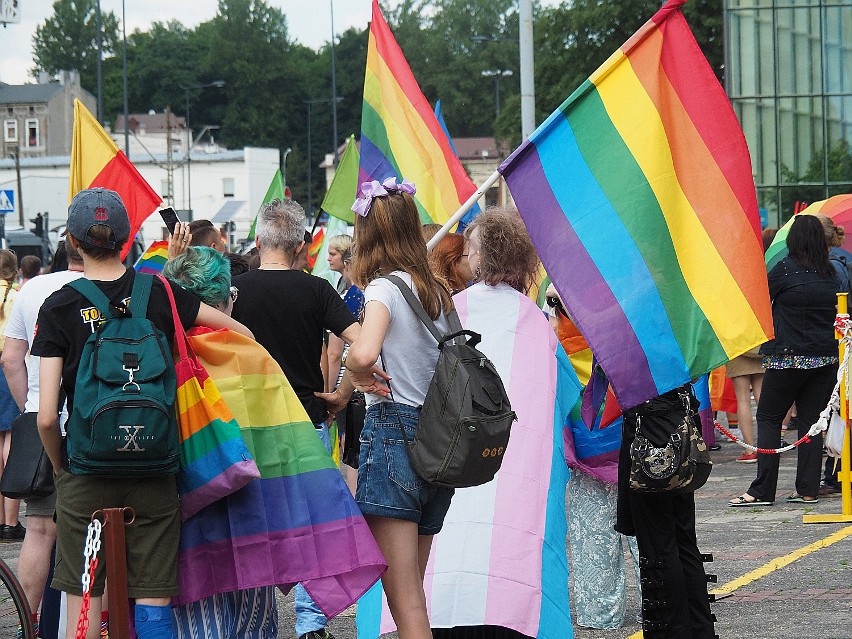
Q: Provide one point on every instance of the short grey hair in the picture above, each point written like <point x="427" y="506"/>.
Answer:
<point x="281" y="225"/>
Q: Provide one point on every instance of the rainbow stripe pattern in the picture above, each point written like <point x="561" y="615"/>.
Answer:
<point x="638" y="195"/>
<point x="154" y="259"/>
<point x="400" y="134"/>
<point x="97" y="161"/>
<point x="501" y="556"/>
<point x="298" y="522"/>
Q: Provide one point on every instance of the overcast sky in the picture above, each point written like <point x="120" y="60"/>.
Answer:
<point x="308" y="22"/>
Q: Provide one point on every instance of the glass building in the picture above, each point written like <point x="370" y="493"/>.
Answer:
<point x="789" y="78"/>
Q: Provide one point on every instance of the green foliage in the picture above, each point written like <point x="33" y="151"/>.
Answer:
<point x="68" y="40"/>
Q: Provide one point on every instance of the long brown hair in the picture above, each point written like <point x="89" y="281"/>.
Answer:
<point x="8" y="273"/>
<point x="389" y="239"/>
<point x="445" y="257"/>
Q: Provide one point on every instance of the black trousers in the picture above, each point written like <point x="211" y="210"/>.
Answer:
<point x="810" y="389"/>
<point x="675" y="603"/>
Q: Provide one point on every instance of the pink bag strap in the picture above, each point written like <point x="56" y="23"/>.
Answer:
<point x="181" y="339"/>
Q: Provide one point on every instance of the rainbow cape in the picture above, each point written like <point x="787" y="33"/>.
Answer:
<point x="298" y="522"/>
<point x="154" y="259"/>
<point x="501" y="556"/>
<point x="400" y="134"/>
<point x="97" y="161"/>
<point x="638" y="195"/>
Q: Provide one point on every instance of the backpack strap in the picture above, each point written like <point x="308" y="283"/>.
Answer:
<point x="96" y="296"/>
<point x="140" y="294"/>
<point x="456" y="329"/>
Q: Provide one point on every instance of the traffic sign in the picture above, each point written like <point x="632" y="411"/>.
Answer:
<point x="7" y="201"/>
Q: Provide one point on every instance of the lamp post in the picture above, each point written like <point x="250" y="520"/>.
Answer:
<point x="310" y="104"/>
<point x="189" y="141"/>
<point x="287" y="152"/>
<point x="124" y="80"/>
<point x="497" y="74"/>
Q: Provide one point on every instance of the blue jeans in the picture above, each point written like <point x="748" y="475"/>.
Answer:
<point x="308" y="615"/>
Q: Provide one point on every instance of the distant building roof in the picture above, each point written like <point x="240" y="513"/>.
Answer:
<point x="149" y="123"/>
<point x="28" y="93"/>
<point x="477" y="148"/>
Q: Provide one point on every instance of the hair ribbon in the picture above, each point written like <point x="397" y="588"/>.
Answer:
<point x="374" y="188"/>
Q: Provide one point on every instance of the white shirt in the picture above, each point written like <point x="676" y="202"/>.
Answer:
<point x="409" y="352"/>
<point x="22" y="321"/>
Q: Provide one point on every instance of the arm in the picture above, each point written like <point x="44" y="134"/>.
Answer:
<point x="215" y="319"/>
<point x="335" y="352"/>
<point x="14" y="362"/>
<point x="179" y="242"/>
<point x="326" y="380"/>
<point x="50" y="378"/>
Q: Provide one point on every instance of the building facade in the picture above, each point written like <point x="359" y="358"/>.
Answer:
<point x="789" y="78"/>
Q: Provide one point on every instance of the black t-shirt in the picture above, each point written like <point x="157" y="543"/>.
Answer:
<point x="289" y="312"/>
<point x="67" y="319"/>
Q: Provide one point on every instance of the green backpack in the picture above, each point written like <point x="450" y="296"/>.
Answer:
<point x="124" y="422"/>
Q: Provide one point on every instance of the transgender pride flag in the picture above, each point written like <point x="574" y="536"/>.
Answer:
<point x="501" y="558"/>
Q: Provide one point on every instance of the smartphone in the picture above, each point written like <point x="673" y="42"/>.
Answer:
<point x="170" y="218"/>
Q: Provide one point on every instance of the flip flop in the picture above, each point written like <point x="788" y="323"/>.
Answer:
<point x="742" y="501"/>
<point x="796" y="498"/>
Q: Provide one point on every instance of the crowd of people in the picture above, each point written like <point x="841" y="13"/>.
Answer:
<point x="357" y="356"/>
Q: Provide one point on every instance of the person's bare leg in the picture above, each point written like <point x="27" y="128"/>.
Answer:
<point x="424" y="547"/>
<point x="403" y="583"/>
<point x="73" y="607"/>
<point x="34" y="560"/>
<point x="742" y="389"/>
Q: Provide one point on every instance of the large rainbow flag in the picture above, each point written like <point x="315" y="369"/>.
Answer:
<point x="639" y="198"/>
<point x="97" y="161"/>
<point x="501" y="556"/>
<point x="400" y="134"/>
<point x="298" y="522"/>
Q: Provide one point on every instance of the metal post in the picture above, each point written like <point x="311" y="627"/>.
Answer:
<point x="115" y="554"/>
<point x="333" y="87"/>
<point x="99" y="46"/>
<point x="20" y="192"/>
<point x="527" y="68"/>
<point x="124" y="82"/>
<point x="188" y="160"/>
<point x="287" y="152"/>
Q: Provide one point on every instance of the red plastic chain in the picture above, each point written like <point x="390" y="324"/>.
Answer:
<point x="83" y="621"/>
<point x="762" y="451"/>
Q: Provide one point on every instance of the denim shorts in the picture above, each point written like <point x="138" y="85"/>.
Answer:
<point x="387" y="484"/>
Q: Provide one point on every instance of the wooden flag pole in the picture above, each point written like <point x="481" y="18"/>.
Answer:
<point x="491" y="181"/>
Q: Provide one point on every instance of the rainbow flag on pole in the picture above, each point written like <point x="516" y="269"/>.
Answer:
<point x="638" y="195"/>
<point x="501" y="557"/>
<point x="400" y="134"/>
<point x="154" y="259"/>
<point x="97" y="161"/>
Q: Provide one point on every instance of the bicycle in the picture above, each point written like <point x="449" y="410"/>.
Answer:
<point x="14" y="609"/>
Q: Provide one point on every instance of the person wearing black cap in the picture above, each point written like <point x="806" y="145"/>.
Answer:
<point x="98" y="227"/>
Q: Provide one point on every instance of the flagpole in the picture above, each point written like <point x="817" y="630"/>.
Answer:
<point x="491" y="181"/>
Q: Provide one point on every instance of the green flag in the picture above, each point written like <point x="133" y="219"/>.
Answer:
<point x="344" y="186"/>
<point x="321" y="269"/>
<point x="275" y="190"/>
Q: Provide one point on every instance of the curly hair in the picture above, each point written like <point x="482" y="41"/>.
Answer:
<point x="833" y="234"/>
<point x="506" y="251"/>
<point x="204" y="272"/>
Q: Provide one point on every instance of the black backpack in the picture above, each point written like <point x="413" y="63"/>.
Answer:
<point x="466" y="417"/>
<point x="124" y="422"/>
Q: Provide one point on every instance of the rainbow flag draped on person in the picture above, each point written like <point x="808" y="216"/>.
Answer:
<point x="97" y="161"/>
<point x="400" y="135"/>
<point x="298" y="522"/>
<point x="154" y="259"/>
<point x="500" y="558"/>
<point x="638" y="195"/>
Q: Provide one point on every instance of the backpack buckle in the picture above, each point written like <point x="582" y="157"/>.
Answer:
<point x="131" y="365"/>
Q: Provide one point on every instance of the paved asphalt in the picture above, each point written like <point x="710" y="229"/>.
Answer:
<point x="808" y="598"/>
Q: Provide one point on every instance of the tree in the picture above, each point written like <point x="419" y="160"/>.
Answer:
<point x="68" y="40"/>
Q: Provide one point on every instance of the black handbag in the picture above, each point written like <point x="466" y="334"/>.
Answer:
<point x="668" y="454"/>
<point x="28" y="471"/>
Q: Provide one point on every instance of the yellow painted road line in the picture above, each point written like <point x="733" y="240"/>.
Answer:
<point x="775" y="564"/>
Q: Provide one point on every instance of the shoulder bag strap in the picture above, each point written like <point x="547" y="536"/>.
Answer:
<point x="181" y="339"/>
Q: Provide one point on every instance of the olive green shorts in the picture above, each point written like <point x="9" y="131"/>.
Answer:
<point x="151" y="540"/>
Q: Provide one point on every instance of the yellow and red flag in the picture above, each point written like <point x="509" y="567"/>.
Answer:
<point x="97" y="161"/>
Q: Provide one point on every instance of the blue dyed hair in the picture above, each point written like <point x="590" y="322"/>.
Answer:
<point x="204" y="272"/>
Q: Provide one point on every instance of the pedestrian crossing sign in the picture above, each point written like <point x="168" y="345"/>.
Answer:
<point x="7" y="201"/>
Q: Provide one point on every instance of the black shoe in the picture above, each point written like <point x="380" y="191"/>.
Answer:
<point x="322" y="633"/>
<point x="13" y="533"/>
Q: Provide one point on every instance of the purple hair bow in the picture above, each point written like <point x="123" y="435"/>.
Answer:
<point x="373" y="188"/>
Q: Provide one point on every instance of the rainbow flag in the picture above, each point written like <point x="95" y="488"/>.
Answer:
<point x="501" y="556"/>
<point x="638" y="195"/>
<point x="154" y="259"/>
<point x="400" y="134"/>
<point x="97" y="161"/>
<point x="298" y="522"/>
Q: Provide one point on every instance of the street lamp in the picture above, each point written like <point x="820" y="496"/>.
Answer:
<point x="310" y="104"/>
<point x="287" y="152"/>
<point x="497" y="74"/>
<point x="189" y="142"/>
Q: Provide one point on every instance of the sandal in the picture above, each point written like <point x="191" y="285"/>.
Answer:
<point x="742" y="501"/>
<point x="796" y="498"/>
